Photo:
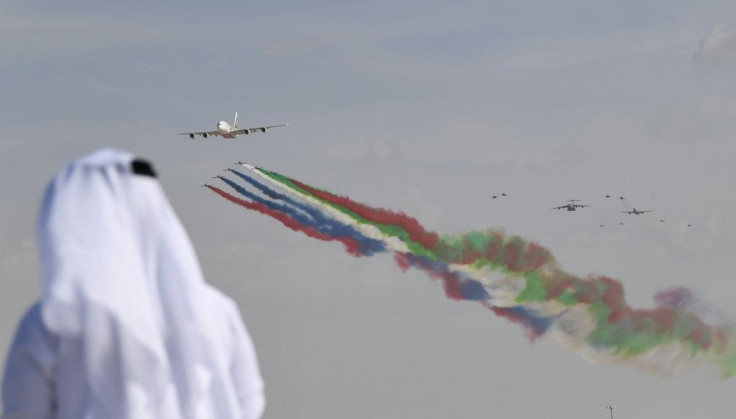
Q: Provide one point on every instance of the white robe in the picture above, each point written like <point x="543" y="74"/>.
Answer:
<point x="44" y="375"/>
<point x="127" y="327"/>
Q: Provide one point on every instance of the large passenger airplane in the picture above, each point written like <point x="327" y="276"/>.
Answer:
<point x="225" y="130"/>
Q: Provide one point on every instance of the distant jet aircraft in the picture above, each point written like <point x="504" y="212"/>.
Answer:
<point x="636" y="211"/>
<point x="225" y="130"/>
<point x="571" y="205"/>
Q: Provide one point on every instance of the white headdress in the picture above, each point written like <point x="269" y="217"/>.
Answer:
<point x="120" y="273"/>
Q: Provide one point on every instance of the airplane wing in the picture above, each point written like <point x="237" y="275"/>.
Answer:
<point x="201" y="134"/>
<point x="626" y="212"/>
<point x="256" y="129"/>
<point x="560" y="207"/>
<point x="642" y="212"/>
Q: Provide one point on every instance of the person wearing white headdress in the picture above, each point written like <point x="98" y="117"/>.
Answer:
<point x="126" y="327"/>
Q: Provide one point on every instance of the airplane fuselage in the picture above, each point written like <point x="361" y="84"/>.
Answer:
<point x="224" y="129"/>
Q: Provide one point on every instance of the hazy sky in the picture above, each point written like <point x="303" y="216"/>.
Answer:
<point x="425" y="107"/>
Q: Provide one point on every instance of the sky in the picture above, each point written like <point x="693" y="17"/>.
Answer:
<point x="424" y="107"/>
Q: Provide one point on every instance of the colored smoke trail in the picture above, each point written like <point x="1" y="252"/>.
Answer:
<point x="455" y="288"/>
<point x="390" y="223"/>
<point x="320" y="219"/>
<point x="351" y="246"/>
<point x="461" y="287"/>
<point x="313" y="217"/>
<point x="521" y="281"/>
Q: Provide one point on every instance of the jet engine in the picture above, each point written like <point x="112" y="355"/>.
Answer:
<point x="246" y="131"/>
<point x="205" y="135"/>
<point x="264" y="129"/>
<point x="191" y="135"/>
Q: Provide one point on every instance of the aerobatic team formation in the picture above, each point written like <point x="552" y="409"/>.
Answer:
<point x="513" y="278"/>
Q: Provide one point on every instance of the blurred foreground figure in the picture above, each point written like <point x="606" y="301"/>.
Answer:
<point x="127" y="327"/>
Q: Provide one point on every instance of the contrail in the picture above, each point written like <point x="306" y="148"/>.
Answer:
<point x="521" y="281"/>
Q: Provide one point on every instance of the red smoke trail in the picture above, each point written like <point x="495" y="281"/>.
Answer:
<point x="416" y="232"/>
<point x="351" y="245"/>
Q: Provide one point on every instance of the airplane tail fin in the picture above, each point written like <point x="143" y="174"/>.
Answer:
<point x="235" y="122"/>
